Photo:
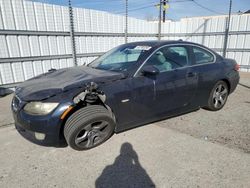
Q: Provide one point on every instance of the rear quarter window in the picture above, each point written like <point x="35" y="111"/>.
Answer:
<point x="202" y="56"/>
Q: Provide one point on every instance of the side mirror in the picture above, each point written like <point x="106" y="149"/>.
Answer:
<point x="150" y="70"/>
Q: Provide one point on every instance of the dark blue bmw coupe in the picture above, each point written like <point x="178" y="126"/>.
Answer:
<point x="131" y="85"/>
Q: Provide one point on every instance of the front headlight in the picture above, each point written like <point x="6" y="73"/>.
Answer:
<point x="39" y="108"/>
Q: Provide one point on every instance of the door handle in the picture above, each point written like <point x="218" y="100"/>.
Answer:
<point x="191" y="74"/>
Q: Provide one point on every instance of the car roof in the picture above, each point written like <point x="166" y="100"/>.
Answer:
<point x="157" y="43"/>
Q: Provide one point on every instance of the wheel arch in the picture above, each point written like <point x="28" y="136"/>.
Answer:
<point x="228" y="84"/>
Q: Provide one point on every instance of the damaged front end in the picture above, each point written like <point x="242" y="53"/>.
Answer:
<point x="90" y="95"/>
<point x="42" y="105"/>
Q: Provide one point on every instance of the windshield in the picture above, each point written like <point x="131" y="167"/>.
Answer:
<point x="120" y="58"/>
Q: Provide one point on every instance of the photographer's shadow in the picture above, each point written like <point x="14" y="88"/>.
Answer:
<point x="126" y="171"/>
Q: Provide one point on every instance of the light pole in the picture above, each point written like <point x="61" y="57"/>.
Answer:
<point x="227" y="29"/>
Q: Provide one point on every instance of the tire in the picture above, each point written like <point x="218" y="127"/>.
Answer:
<point x="218" y="96"/>
<point x="89" y="127"/>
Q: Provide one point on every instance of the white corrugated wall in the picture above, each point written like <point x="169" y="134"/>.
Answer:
<point x="33" y="16"/>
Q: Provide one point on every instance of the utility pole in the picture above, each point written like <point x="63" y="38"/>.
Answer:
<point x="159" y="25"/>
<point x="72" y="34"/>
<point x="126" y="23"/>
<point x="227" y="29"/>
<point x="164" y="11"/>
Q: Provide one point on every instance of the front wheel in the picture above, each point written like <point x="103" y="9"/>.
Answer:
<point x="218" y="96"/>
<point x="88" y="127"/>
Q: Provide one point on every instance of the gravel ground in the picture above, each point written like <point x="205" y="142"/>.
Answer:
<point x="149" y="156"/>
<point x="6" y="118"/>
<point x="199" y="149"/>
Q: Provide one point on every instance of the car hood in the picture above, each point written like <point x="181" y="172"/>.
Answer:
<point x="58" y="81"/>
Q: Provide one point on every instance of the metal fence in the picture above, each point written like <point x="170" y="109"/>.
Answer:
<point x="35" y="37"/>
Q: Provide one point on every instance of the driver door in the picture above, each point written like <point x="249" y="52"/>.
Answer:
<point x="173" y="88"/>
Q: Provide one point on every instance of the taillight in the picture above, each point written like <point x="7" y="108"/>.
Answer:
<point x="237" y="67"/>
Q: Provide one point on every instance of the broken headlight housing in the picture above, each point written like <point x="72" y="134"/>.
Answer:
<point x="39" y="108"/>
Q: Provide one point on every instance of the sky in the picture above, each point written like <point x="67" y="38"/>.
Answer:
<point x="145" y="9"/>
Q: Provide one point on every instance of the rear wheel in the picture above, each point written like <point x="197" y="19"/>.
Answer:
<point x="218" y="96"/>
<point x="88" y="127"/>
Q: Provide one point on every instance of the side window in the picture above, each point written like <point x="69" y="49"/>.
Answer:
<point x="177" y="56"/>
<point x="202" y="56"/>
<point x="169" y="58"/>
